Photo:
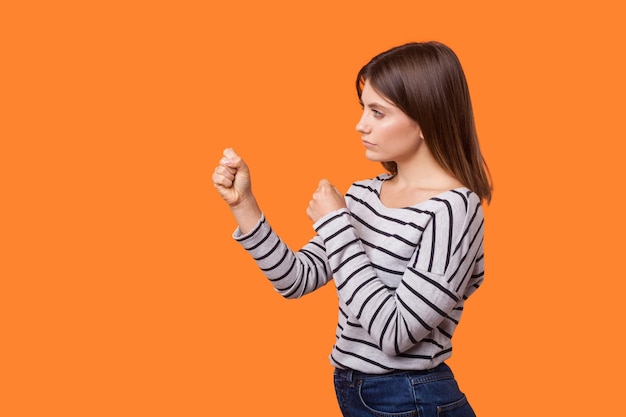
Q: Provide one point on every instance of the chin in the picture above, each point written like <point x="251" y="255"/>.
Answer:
<point x="371" y="156"/>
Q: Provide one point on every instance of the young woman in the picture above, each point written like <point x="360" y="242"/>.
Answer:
<point x="404" y="249"/>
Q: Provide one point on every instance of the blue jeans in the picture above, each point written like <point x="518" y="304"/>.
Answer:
<point x="431" y="393"/>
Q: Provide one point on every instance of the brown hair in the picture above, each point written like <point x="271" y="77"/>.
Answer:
<point x="426" y="81"/>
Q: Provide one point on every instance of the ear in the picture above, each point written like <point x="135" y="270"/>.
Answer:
<point x="420" y="134"/>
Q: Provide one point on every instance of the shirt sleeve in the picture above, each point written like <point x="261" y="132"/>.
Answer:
<point x="293" y="274"/>
<point x="433" y="283"/>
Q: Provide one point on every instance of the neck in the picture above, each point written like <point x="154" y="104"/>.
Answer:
<point x="424" y="172"/>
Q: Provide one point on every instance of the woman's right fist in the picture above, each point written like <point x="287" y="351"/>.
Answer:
<point x="231" y="178"/>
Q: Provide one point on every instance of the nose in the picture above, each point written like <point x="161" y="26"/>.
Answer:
<point x="362" y="126"/>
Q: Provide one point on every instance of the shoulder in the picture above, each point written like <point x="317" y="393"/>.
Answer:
<point x="455" y="227"/>
<point x="455" y="206"/>
<point x="458" y="200"/>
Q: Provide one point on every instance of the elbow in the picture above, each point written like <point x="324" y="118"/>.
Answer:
<point x="290" y="296"/>
<point x="390" y="349"/>
<point x="395" y="343"/>
<point x="396" y="347"/>
<point x="292" y="293"/>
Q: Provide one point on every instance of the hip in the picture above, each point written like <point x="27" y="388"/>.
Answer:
<point x="432" y="392"/>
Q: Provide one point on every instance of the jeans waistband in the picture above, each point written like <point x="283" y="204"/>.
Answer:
<point x="439" y="372"/>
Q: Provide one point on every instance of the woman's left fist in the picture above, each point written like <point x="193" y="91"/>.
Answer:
<point x="325" y="200"/>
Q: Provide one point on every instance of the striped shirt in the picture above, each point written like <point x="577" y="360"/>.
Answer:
<point x="402" y="274"/>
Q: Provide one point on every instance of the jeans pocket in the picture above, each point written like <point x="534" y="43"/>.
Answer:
<point x="388" y="396"/>
<point x="459" y="408"/>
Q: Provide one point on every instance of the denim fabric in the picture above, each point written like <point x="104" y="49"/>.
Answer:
<point x="428" y="393"/>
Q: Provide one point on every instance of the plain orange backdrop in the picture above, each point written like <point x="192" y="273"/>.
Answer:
<point x="122" y="292"/>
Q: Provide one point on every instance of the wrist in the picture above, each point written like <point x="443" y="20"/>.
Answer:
<point x="247" y="213"/>
<point x="244" y="204"/>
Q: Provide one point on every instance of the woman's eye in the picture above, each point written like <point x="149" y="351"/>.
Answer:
<point x="377" y="113"/>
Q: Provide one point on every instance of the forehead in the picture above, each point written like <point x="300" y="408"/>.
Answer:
<point x="369" y="95"/>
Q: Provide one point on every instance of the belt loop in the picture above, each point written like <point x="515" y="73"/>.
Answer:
<point x="350" y="375"/>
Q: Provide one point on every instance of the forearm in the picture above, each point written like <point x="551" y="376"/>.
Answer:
<point x="293" y="274"/>
<point x="247" y="214"/>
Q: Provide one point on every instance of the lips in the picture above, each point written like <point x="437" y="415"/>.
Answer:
<point x="368" y="144"/>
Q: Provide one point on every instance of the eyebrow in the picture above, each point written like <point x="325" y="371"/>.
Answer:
<point x="376" y="104"/>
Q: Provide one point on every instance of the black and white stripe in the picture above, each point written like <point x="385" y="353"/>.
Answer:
<point x="402" y="275"/>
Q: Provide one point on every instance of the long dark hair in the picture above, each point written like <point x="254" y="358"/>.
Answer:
<point x="426" y="81"/>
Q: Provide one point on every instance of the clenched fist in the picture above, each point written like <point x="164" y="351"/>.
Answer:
<point x="325" y="200"/>
<point x="231" y="178"/>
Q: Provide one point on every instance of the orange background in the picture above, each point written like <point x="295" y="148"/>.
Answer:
<point x="122" y="292"/>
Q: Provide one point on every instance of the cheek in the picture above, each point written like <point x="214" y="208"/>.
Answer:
<point x="398" y="131"/>
<point x="389" y="130"/>
<point x="409" y="132"/>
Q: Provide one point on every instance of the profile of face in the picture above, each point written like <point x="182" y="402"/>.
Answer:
<point x="388" y="134"/>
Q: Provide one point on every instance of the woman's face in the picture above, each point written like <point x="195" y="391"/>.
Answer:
<point x="388" y="134"/>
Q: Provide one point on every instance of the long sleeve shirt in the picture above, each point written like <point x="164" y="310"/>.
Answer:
<point x="402" y="274"/>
